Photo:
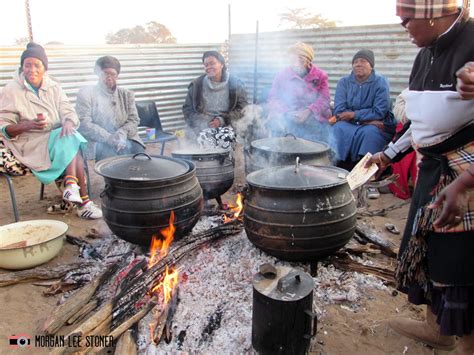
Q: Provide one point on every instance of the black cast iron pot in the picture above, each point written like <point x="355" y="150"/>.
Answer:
<point x="214" y="169"/>
<point x="299" y="212"/>
<point x="141" y="191"/>
<point x="276" y="151"/>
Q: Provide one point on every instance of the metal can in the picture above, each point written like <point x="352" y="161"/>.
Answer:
<point x="150" y="134"/>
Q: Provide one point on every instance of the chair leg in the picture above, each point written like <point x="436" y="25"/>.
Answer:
<point x="162" y="147"/>
<point x="42" y="192"/>
<point x="13" y="198"/>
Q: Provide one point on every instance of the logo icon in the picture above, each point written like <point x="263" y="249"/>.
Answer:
<point x="20" y="341"/>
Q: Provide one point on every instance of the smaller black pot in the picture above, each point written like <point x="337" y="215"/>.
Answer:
<point x="214" y="169"/>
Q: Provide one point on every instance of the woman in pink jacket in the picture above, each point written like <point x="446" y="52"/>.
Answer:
<point x="299" y="101"/>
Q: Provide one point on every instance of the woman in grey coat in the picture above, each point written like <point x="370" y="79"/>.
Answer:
<point x="108" y="113"/>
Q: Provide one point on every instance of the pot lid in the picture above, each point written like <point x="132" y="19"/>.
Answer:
<point x="290" y="145"/>
<point x="298" y="178"/>
<point x="200" y="152"/>
<point x="142" y="167"/>
<point x="282" y="283"/>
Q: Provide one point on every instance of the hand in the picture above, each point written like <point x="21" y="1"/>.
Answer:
<point x="453" y="200"/>
<point x="120" y="146"/>
<point x="377" y="123"/>
<point x="68" y="128"/>
<point x="465" y="81"/>
<point x="381" y="160"/>
<point x="35" y="124"/>
<point x="214" y="123"/>
<point x="346" y="116"/>
<point x="301" y="116"/>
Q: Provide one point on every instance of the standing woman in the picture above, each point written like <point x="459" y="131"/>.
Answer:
<point x="435" y="262"/>
<point x="38" y="124"/>
<point x="214" y="102"/>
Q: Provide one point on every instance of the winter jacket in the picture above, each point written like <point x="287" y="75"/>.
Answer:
<point x="291" y="92"/>
<point x="103" y="114"/>
<point x="17" y="102"/>
<point x="195" y="113"/>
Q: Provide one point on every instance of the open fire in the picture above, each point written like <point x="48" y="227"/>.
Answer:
<point x="236" y="210"/>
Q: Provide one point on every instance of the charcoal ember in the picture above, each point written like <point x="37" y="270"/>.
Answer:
<point x="214" y="323"/>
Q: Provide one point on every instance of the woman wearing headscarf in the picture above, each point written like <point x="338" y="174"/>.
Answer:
<point x="108" y="113"/>
<point x="38" y="125"/>
<point x="435" y="262"/>
<point x="299" y="101"/>
<point x="214" y="103"/>
<point x="362" y="103"/>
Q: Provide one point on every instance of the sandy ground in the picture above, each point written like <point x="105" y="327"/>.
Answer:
<point x="341" y="331"/>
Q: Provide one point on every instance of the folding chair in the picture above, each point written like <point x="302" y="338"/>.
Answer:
<point x="150" y="118"/>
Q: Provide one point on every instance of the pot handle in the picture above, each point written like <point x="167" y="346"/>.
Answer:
<point x="141" y="153"/>
<point x="313" y="319"/>
<point x="106" y="189"/>
<point x="290" y="135"/>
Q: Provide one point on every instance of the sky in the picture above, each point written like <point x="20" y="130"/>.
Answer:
<point x="190" y="21"/>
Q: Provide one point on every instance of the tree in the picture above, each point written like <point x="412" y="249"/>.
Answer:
<point x="301" y="18"/>
<point x="153" y="33"/>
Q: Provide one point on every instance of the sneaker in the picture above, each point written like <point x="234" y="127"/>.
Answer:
<point x="89" y="211"/>
<point x="373" y="193"/>
<point x="61" y="208"/>
<point x="71" y="193"/>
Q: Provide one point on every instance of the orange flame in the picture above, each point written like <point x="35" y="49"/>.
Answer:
<point x="168" y="284"/>
<point x="236" y="210"/>
<point x="159" y="246"/>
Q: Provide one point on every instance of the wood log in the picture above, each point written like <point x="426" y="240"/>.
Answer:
<point x="94" y="321"/>
<point x="362" y="249"/>
<point x="125" y="302"/>
<point x="164" y="318"/>
<point x="343" y="262"/>
<point x="126" y="345"/>
<point x="41" y="273"/>
<point x="91" y="305"/>
<point x="386" y="246"/>
<point x="383" y="211"/>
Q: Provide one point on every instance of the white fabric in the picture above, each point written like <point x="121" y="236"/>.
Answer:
<point x="436" y="115"/>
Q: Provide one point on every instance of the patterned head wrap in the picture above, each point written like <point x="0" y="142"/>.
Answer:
<point x="426" y="9"/>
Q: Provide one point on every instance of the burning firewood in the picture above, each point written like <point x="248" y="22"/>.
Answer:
<point x="386" y="246"/>
<point x="126" y="344"/>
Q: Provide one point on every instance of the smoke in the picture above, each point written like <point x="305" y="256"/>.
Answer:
<point x="251" y="126"/>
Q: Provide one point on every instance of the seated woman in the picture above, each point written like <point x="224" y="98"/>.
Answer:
<point x="214" y="102"/>
<point x="108" y="113"/>
<point x="299" y="101"/>
<point x="362" y="109"/>
<point x="38" y="125"/>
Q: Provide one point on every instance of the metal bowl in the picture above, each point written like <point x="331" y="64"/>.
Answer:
<point x="27" y="244"/>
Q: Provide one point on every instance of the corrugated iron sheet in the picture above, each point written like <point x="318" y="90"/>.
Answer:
<point x="163" y="72"/>
<point x="334" y="49"/>
<point x="153" y="72"/>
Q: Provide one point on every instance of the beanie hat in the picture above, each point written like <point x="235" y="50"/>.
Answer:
<point x="303" y="50"/>
<point x="214" y="54"/>
<point x="34" y="50"/>
<point x="107" y="62"/>
<point x="366" y="54"/>
<point x="426" y="9"/>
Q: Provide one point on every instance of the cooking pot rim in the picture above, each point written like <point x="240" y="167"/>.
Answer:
<point x="202" y="152"/>
<point x="100" y="165"/>
<point x="296" y="188"/>
<point x="276" y="142"/>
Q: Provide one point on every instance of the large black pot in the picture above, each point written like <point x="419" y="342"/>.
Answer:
<point x="214" y="169"/>
<point x="276" y="151"/>
<point x="299" y="213"/>
<point x="141" y="191"/>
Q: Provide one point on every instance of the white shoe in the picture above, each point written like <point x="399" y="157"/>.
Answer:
<point x="71" y="193"/>
<point x="373" y="193"/>
<point x="89" y="211"/>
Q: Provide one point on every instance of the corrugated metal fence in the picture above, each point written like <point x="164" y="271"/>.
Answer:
<point x="163" y="72"/>
<point x="334" y="49"/>
<point x="153" y="72"/>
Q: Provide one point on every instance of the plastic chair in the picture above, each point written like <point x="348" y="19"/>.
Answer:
<point x="13" y="195"/>
<point x="150" y="118"/>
